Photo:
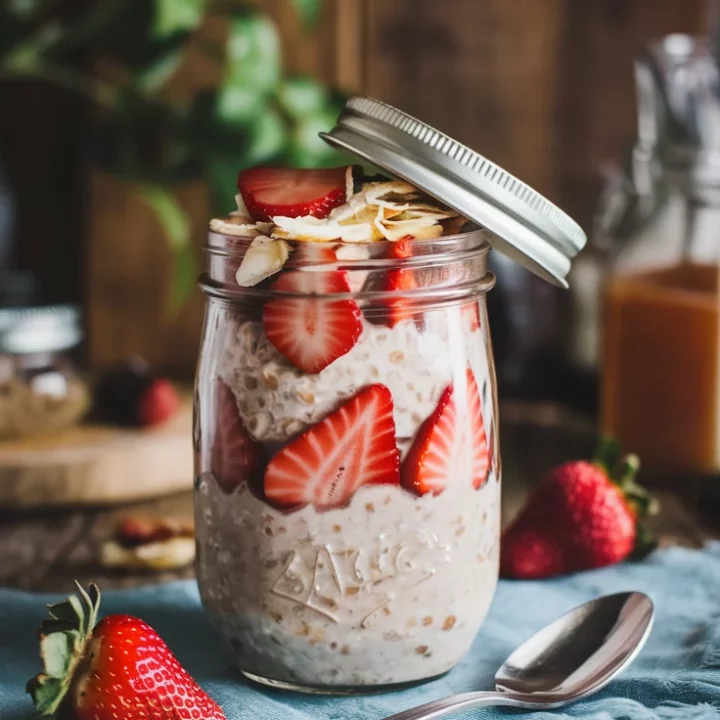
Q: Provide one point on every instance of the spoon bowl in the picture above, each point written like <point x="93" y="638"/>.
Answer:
<point x="569" y="659"/>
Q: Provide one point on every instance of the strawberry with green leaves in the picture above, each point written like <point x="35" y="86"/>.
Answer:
<point x="117" y="668"/>
<point x="582" y="515"/>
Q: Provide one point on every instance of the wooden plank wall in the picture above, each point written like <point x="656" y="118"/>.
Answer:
<point x="544" y="87"/>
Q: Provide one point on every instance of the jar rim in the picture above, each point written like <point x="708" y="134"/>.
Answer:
<point x="464" y="249"/>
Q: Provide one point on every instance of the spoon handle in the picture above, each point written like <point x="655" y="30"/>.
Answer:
<point x="445" y="706"/>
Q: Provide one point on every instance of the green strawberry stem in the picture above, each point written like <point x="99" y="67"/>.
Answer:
<point x="622" y="470"/>
<point x="62" y="645"/>
<point x="607" y="454"/>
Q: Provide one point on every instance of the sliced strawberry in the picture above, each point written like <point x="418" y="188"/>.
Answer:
<point x="439" y="451"/>
<point x="312" y="332"/>
<point x="401" y="248"/>
<point x="433" y="457"/>
<point x="477" y="437"/>
<point x="399" y="280"/>
<point x="471" y="316"/>
<point x="351" y="447"/>
<point x="268" y="192"/>
<point x="236" y="457"/>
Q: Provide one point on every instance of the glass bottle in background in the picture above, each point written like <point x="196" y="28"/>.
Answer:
<point x="660" y="344"/>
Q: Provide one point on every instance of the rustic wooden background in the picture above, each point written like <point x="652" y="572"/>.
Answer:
<point x="543" y="87"/>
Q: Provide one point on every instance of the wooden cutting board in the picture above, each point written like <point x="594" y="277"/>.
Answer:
<point x="98" y="465"/>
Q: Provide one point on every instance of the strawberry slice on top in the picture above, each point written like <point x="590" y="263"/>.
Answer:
<point x="440" y="450"/>
<point x="353" y="446"/>
<point x="269" y="192"/>
<point x="235" y="456"/>
<point x="312" y="332"/>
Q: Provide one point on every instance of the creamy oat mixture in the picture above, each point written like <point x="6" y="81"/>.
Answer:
<point x="389" y="589"/>
<point x="391" y="586"/>
<point x="276" y="400"/>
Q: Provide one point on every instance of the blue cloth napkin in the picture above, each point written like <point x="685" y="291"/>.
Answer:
<point x="676" y="676"/>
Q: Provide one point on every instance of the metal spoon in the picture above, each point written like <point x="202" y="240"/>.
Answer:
<point x="573" y="657"/>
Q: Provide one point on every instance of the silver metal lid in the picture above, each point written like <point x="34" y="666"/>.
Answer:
<point x="526" y="226"/>
<point x="49" y="328"/>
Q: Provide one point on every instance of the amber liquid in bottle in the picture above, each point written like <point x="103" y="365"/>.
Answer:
<point x="661" y="367"/>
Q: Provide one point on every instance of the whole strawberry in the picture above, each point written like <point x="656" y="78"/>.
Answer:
<point x="119" y="668"/>
<point x="582" y="515"/>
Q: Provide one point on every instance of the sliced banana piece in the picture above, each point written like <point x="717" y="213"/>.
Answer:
<point x="263" y="258"/>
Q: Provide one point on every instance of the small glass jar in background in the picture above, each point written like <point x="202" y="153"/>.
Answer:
<point x="660" y="357"/>
<point x="40" y="389"/>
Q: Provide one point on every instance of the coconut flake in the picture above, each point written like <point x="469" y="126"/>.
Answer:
<point x="421" y="228"/>
<point x="349" y="183"/>
<point x="375" y="190"/>
<point x="262" y="259"/>
<point x="239" y="226"/>
<point x="351" y="211"/>
<point x="241" y="207"/>
<point x="314" y="229"/>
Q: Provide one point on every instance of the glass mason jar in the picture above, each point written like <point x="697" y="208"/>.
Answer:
<point x="326" y="559"/>
<point x="41" y="390"/>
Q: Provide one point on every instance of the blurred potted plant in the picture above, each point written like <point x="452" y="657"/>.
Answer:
<point x="124" y="54"/>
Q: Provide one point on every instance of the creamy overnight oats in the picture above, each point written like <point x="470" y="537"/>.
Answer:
<point x="347" y="493"/>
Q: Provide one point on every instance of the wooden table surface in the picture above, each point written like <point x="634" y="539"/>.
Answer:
<point x="46" y="551"/>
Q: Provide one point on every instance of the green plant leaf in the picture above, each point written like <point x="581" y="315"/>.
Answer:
<point x="222" y="172"/>
<point x="302" y="96"/>
<point x="264" y="140"/>
<point x="238" y="104"/>
<point x="267" y="139"/>
<point x="307" y="148"/>
<point x="28" y="55"/>
<point x="126" y="33"/>
<point x="170" y="215"/>
<point x="176" y="226"/>
<point x="172" y="16"/>
<point x="184" y="277"/>
<point x="24" y="8"/>
<point x="252" y="67"/>
<point x="12" y="32"/>
<point x="160" y="71"/>
<point x="309" y="11"/>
